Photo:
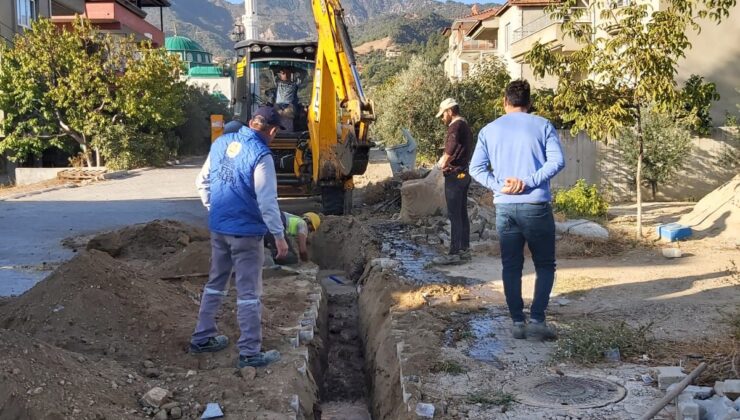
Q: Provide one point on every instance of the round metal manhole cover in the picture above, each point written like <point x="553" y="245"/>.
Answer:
<point x="565" y="391"/>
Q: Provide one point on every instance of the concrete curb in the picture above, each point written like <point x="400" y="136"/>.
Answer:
<point x="105" y="176"/>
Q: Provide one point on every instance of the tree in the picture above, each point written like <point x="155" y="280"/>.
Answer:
<point x="666" y="145"/>
<point x="194" y="135"/>
<point x="697" y="97"/>
<point x="106" y="94"/>
<point x="627" y="62"/>
<point x="410" y="100"/>
<point x="481" y="94"/>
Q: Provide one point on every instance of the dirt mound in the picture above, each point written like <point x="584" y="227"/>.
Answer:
<point x="148" y="241"/>
<point x="38" y="381"/>
<point x="95" y="304"/>
<point x="717" y="215"/>
<point x="343" y="243"/>
<point x="194" y="258"/>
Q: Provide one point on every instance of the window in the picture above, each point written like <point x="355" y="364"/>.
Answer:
<point x="507" y="37"/>
<point x="190" y="57"/>
<point x="25" y="12"/>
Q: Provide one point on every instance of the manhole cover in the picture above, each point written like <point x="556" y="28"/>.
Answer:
<point x="565" y="391"/>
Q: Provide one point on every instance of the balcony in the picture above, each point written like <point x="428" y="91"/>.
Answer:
<point x="125" y="17"/>
<point x="546" y="31"/>
<point x="478" y="46"/>
<point x="67" y="7"/>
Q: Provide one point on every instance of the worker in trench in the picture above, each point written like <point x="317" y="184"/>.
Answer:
<point x="238" y="186"/>
<point x="298" y="227"/>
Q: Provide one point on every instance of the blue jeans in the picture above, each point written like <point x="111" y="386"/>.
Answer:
<point x="535" y="225"/>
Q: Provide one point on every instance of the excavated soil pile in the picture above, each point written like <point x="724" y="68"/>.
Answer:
<point x="343" y="243"/>
<point x="148" y="241"/>
<point x="95" y="304"/>
<point x="717" y="215"/>
<point x="39" y="381"/>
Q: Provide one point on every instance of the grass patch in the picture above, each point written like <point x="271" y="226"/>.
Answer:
<point x="499" y="398"/>
<point x="586" y="341"/>
<point x="449" y="366"/>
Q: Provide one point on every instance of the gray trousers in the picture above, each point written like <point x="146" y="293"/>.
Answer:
<point x="245" y="255"/>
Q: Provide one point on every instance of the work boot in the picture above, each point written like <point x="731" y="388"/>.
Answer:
<point x="211" y="345"/>
<point x="260" y="359"/>
<point x="540" y="330"/>
<point x="449" y="259"/>
<point x="519" y="330"/>
<point x="465" y="255"/>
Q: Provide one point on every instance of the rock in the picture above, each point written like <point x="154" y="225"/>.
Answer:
<point x="148" y="364"/>
<point x="183" y="239"/>
<point x="668" y="375"/>
<point x="169" y="250"/>
<point x="151" y="373"/>
<point x="385" y="263"/>
<point x="161" y="415"/>
<point x="114" y="385"/>
<point x="695" y="392"/>
<point x="191" y="373"/>
<point x="425" y="411"/>
<point x="35" y="391"/>
<point x="248" y="373"/>
<point x="423" y="197"/>
<point x="170" y="405"/>
<point x="731" y="388"/>
<point x="477" y="227"/>
<point x="16" y="371"/>
<point x="581" y="227"/>
<point x="456" y="297"/>
<point x="176" y="413"/>
<point x="81" y="359"/>
<point x="109" y="243"/>
<point x="155" y="397"/>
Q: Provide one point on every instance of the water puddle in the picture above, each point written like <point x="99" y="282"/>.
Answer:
<point x="485" y="345"/>
<point x="415" y="259"/>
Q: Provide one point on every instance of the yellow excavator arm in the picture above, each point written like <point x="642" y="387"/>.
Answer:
<point x="339" y="114"/>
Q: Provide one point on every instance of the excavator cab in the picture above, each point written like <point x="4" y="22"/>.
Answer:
<point x="315" y="88"/>
<point x="280" y="74"/>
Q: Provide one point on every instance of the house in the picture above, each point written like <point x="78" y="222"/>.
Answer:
<point x="202" y="69"/>
<point x="15" y="17"/>
<point x="510" y="31"/>
<point x="124" y="17"/>
<point x="464" y="52"/>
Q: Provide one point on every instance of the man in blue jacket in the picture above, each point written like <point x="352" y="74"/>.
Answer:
<point x="238" y="186"/>
<point x="516" y="156"/>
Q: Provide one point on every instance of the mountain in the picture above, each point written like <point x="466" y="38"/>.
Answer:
<point x="210" y="22"/>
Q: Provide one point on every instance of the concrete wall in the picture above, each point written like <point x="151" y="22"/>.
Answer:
<point x="602" y="164"/>
<point x="716" y="57"/>
<point x="25" y="176"/>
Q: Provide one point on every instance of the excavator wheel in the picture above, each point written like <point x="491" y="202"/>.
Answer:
<point x="336" y="201"/>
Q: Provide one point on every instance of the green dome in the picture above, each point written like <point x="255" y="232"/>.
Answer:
<point x="205" y="71"/>
<point x="181" y="43"/>
<point x="220" y="96"/>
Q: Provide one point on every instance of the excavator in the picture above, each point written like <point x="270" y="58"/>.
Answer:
<point x="325" y="115"/>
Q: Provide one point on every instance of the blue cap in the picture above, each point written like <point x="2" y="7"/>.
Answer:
<point x="269" y="114"/>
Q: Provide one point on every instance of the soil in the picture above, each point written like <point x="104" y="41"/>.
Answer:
<point x="99" y="319"/>
<point x="7" y="191"/>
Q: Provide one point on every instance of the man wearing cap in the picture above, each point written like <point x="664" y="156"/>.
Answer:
<point x="454" y="165"/>
<point x="516" y="157"/>
<point x="238" y="186"/>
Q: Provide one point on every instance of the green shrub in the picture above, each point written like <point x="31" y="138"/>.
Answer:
<point x="581" y="200"/>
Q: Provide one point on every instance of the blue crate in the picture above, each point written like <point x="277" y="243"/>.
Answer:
<point x="673" y="232"/>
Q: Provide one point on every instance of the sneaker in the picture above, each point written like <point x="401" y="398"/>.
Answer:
<point x="465" y="255"/>
<point x="446" y="259"/>
<point x="519" y="330"/>
<point x="541" y="331"/>
<point x="211" y="345"/>
<point x="260" y="359"/>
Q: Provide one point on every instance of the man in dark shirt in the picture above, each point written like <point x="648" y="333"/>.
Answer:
<point x="454" y="165"/>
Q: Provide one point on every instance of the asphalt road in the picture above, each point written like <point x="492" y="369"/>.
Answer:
<point x="33" y="227"/>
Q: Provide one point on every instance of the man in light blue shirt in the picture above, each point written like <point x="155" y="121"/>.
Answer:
<point x="515" y="157"/>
